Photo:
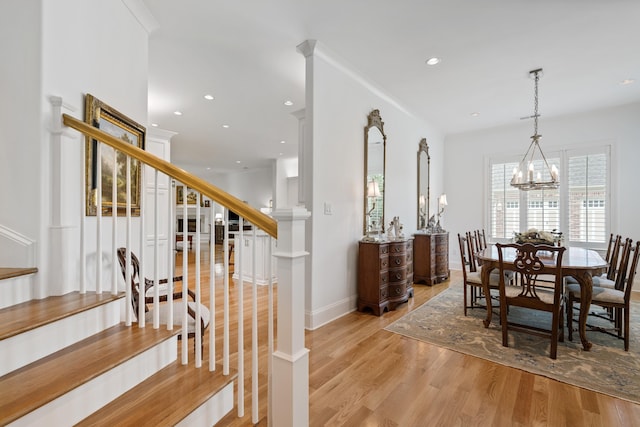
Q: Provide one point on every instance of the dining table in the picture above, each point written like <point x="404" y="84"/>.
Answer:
<point x="579" y="263"/>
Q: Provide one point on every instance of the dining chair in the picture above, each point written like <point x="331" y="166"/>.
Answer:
<point x="524" y="290"/>
<point x="615" y="299"/>
<point x="471" y="275"/>
<point x="178" y="304"/>
<point x="613" y="258"/>
<point x="472" y="238"/>
<point x="481" y="239"/>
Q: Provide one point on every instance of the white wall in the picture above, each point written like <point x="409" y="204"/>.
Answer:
<point x="253" y="186"/>
<point x="67" y="48"/>
<point x="20" y="86"/>
<point x="95" y="47"/>
<point x="341" y="101"/>
<point x="284" y="173"/>
<point x="466" y="162"/>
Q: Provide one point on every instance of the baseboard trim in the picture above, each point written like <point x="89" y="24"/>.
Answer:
<point x="329" y="313"/>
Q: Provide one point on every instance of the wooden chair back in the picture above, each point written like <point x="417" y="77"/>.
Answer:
<point x="613" y="256"/>
<point x="464" y="255"/>
<point x="609" y="246"/>
<point x="481" y="239"/>
<point x="472" y="250"/>
<point x="530" y="262"/>
<point x="629" y="272"/>
<point x="135" y="277"/>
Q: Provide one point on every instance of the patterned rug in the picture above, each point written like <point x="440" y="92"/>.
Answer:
<point x="607" y="368"/>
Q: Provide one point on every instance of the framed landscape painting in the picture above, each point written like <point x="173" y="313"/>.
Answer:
<point x="192" y="196"/>
<point x="111" y="121"/>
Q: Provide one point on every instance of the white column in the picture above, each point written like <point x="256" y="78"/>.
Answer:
<point x="290" y="361"/>
<point x="61" y="270"/>
<point x="304" y="163"/>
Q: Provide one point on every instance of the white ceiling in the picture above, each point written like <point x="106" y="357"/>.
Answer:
<point x="243" y="52"/>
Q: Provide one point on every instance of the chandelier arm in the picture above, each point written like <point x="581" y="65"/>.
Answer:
<point x="524" y="158"/>
<point x="546" y="163"/>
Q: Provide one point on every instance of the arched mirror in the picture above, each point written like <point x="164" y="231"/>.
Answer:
<point x="424" y="161"/>
<point x="375" y="142"/>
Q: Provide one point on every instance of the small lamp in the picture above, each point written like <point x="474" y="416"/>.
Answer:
<point x="442" y="202"/>
<point x="373" y="190"/>
<point x="219" y="218"/>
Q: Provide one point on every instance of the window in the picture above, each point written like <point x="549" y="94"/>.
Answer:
<point x="593" y="203"/>
<point x="579" y="208"/>
<point x="588" y="188"/>
<point x="505" y="201"/>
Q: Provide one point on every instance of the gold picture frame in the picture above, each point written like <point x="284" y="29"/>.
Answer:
<point x="192" y="196"/>
<point x="111" y="121"/>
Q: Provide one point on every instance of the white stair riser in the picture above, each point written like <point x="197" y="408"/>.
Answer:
<point x="212" y="411"/>
<point x="16" y="290"/>
<point x="91" y="396"/>
<point x="25" y="348"/>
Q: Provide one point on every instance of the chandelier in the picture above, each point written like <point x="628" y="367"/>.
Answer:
<point x="525" y="176"/>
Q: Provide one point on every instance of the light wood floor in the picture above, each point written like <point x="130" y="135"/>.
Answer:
<point x="362" y="375"/>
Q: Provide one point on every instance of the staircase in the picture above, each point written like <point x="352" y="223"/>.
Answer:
<point x="71" y="360"/>
<point x="68" y="360"/>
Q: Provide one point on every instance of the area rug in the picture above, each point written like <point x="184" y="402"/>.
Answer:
<point x="607" y="368"/>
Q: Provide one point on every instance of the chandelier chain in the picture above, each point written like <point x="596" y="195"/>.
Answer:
<point x="535" y="104"/>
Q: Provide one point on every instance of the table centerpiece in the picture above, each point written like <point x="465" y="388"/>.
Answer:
<point x="538" y="236"/>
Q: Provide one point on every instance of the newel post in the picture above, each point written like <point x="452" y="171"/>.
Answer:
<point x="290" y="360"/>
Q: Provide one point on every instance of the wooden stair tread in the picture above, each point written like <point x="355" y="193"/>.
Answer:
<point x="165" y="398"/>
<point x="44" y="380"/>
<point x="28" y="315"/>
<point x="8" y="273"/>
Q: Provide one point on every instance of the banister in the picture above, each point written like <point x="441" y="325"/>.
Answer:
<point x="252" y="215"/>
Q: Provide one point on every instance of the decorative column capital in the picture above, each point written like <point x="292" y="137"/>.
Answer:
<point x="307" y="47"/>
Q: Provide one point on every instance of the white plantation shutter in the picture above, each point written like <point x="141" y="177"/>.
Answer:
<point x="505" y="202"/>
<point x="543" y="206"/>
<point x="579" y="208"/>
<point x="588" y="196"/>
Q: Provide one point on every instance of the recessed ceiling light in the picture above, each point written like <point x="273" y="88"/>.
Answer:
<point x="177" y="113"/>
<point x="283" y="142"/>
<point x="238" y="161"/>
<point x="280" y="154"/>
<point x="433" y="61"/>
<point x="225" y="126"/>
<point x="627" y="82"/>
<point x="208" y="169"/>
<point x="288" y="103"/>
<point x="208" y="97"/>
<point x="155" y="125"/>
<point x="475" y="114"/>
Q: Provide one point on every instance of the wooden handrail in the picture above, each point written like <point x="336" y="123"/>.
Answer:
<point x="252" y="215"/>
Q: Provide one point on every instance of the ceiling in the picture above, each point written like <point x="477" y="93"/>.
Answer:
<point x="244" y="54"/>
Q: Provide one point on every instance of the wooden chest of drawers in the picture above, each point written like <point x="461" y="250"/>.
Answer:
<point x="385" y="275"/>
<point x="431" y="257"/>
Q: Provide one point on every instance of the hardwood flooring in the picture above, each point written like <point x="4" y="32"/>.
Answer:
<point x="362" y="375"/>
